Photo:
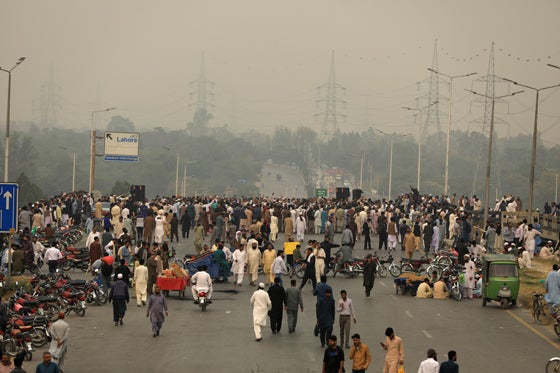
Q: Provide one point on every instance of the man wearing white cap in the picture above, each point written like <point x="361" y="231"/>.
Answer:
<point x="119" y="296"/>
<point x="547" y="252"/>
<point x="261" y="305"/>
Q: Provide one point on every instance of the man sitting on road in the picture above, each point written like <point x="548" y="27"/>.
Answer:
<point x="440" y="290"/>
<point x="201" y="280"/>
<point x="547" y="252"/>
<point x="424" y="289"/>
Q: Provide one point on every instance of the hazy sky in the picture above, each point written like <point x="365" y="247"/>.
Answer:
<point x="267" y="59"/>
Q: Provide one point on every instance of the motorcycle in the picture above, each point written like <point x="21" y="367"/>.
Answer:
<point x="14" y="341"/>
<point x="203" y="300"/>
<point x="74" y="302"/>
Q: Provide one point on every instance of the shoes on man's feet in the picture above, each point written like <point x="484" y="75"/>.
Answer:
<point x="258" y="339"/>
<point x="116" y="323"/>
<point x="120" y="321"/>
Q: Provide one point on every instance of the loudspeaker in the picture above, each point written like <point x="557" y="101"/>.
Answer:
<point x="342" y="193"/>
<point x="357" y="193"/>
<point x="138" y="192"/>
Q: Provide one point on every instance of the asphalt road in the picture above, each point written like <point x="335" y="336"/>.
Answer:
<point x="281" y="180"/>
<point x="222" y="340"/>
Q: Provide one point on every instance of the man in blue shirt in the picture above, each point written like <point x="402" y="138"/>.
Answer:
<point x="47" y="366"/>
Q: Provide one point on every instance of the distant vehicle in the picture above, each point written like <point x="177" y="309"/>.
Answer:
<point x="105" y="206"/>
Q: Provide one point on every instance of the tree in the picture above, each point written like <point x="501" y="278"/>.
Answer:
<point x="121" y="187"/>
<point x="120" y="124"/>
<point x="28" y="191"/>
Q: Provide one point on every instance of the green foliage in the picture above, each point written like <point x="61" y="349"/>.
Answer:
<point x="222" y="161"/>
<point x="120" y="187"/>
<point x="120" y="124"/>
<point x="28" y="191"/>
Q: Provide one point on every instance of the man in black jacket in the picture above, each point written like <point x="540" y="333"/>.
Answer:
<point x="450" y="366"/>
<point x="277" y="296"/>
<point x="119" y="296"/>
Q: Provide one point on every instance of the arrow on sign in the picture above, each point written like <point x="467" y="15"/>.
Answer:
<point x="108" y="136"/>
<point x="7" y="195"/>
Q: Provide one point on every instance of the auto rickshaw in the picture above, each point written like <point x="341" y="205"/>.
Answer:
<point x="500" y="279"/>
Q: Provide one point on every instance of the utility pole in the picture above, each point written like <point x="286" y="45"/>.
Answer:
<point x="330" y="115"/>
<point x="489" y="161"/>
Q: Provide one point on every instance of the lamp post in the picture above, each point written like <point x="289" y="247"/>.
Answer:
<point x="489" y="162"/>
<point x="556" y="171"/>
<point x="391" y="158"/>
<point x="93" y="141"/>
<point x="419" y="136"/>
<point x="534" y="146"/>
<point x="177" y="170"/>
<point x="184" y="186"/>
<point x="362" y="157"/>
<point x="73" y="167"/>
<point x="450" y="77"/>
<point x="7" y="143"/>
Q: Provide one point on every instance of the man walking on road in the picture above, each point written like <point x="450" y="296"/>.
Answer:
<point x="360" y="355"/>
<point x="59" y="344"/>
<point x="261" y="305"/>
<point x="157" y="305"/>
<point x="141" y="282"/>
<point x="333" y="359"/>
<point x="325" y="316"/>
<point x="345" y="308"/>
<point x="293" y="301"/>
<point x="430" y="365"/>
<point x="394" y="355"/>
<point x="369" y="274"/>
<point x="450" y="366"/>
<point x="277" y="296"/>
<point x="119" y="296"/>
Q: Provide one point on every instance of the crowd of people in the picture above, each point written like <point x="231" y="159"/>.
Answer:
<point x="243" y="232"/>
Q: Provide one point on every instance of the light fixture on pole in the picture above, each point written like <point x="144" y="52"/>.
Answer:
<point x="419" y="110"/>
<point x="362" y="157"/>
<point x="534" y="145"/>
<point x="556" y="171"/>
<point x="551" y="65"/>
<point x="391" y="158"/>
<point x="93" y="141"/>
<point x="177" y="170"/>
<point x="450" y="77"/>
<point x="73" y="167"/>
<point x="489" y="162"/>
<point x="7" y="141"/>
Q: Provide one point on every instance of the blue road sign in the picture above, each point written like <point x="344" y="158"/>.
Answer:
<point x="9" y="193"/>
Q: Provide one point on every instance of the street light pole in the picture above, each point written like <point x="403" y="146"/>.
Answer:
<point x="93" y="143"/>
<point x="391" y="159"/>
<point x="489" y="162"/>
<point x="419" y="137"/>
<point x="73" y="167"/>
<point x="176" y="171"/>
<point x="534" y="145"/>
<point x="7" y="141"/>
<point x="450" y="77"/>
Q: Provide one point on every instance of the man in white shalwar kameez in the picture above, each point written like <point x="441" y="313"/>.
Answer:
<point x="239" y="260"/>
<point x="261" y="305"/>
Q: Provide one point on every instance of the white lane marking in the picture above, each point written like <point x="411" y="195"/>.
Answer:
<point x="426" y="334"/>
<point x="311" y="357"/>
<point x="407" y="312"/>
<point x="383" y="284"/>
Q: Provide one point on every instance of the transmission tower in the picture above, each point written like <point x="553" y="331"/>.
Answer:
<point x="489" y="81"/>
<point x="204" y="95"/>
<point x="431" y="120"/>
<point x="50" y="103"/>
<point x="330" y="114"/>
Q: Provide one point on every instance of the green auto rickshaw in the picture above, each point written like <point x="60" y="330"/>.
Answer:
<point x="500" y="279"/>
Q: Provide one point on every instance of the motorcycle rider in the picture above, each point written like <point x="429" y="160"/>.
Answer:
<point x="202" y="280"/>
